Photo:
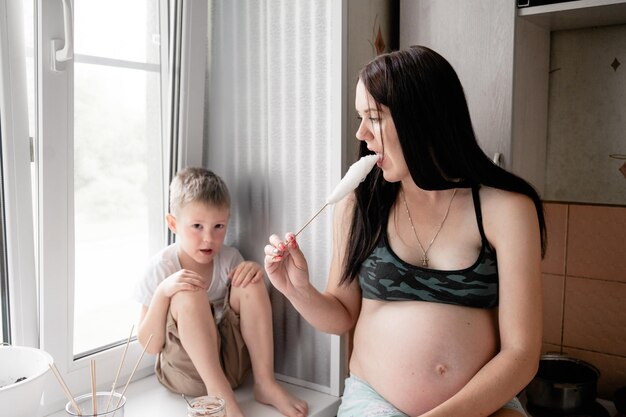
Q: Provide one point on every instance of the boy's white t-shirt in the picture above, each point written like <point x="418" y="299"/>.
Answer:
<point x="166" y="262"/>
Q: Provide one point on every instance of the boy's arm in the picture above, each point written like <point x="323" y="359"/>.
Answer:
<point x="153" y="317"/>
<point x="152" y="320"/>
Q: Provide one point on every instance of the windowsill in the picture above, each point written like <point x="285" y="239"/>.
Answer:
<point x="146" y="397"/>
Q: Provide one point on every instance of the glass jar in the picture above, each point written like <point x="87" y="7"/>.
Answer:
<point x="207" y="406"/>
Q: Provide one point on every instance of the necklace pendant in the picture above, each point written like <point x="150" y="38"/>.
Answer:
<point x="408" y="214"/>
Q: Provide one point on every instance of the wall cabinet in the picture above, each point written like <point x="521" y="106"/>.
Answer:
<point x="502" y="56"/>
<point x="583" y="94"/>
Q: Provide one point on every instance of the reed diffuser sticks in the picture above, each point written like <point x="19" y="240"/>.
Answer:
<point x="94" y="402"/>
<point x="132" y="373"/>
<point x="119" y="368"/>
<point x="65" y="388"/>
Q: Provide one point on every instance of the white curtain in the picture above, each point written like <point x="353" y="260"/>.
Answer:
<point x="271" y="134"/>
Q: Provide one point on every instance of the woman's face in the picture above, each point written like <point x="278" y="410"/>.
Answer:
<point x="378" y="131"/>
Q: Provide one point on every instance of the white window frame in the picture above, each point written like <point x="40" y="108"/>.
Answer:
<point x="47" y="321"/>
<point x="16" y="173"/>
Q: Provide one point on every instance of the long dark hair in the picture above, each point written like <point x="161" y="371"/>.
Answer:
<point x="428" y="107"/>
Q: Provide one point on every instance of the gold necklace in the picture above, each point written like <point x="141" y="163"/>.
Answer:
<point x="425" y="251"/>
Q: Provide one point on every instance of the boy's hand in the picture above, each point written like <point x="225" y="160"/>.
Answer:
<point x="247" y="272"/>
<point x="183" y="280"/>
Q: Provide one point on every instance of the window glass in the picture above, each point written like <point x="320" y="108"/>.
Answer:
<point x="131" y="36"/>
<point x="118" y="169"/>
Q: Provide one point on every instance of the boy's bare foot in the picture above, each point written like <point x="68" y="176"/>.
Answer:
<point x="273" y="394"/>
<point x="233" y="410"/>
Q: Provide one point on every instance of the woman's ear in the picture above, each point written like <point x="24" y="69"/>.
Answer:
<point x="171" y="222"/>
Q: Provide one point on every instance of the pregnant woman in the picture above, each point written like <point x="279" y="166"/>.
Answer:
<point x="436" y="257"/>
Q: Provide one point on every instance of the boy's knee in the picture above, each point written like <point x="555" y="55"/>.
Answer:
<point x="189" y="302"/>
<point x="252" y="292"/>
<point x="254" y="289"/>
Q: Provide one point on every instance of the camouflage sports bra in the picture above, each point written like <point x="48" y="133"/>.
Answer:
<point x="385" y="277"/>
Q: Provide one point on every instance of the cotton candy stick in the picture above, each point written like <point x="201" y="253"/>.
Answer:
<point x="355" y="175"/>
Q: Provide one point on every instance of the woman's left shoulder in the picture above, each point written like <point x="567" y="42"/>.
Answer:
<point x="496" y="198"/>
<point x="501" y="206"/>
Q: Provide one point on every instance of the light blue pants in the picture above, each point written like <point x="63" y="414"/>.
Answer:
<point x="361" y="400"/>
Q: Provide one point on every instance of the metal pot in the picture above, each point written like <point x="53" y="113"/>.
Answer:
<point x="563" y="384"/>
<point x="619" y="399"/>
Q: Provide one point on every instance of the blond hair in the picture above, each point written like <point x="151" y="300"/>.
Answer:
<point x="198" y="185"/>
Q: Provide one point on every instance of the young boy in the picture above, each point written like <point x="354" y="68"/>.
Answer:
<point x="207" y="309"/>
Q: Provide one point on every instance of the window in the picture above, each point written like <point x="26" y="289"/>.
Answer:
<point x="102" y="154"/>
<point x="99" y="165"/>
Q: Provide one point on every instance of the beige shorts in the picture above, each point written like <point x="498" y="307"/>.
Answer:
<point x="177" y="373"/>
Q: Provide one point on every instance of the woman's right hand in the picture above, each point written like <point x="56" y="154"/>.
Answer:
<point x="182" y="280"/>
<point x="286" y="265"/>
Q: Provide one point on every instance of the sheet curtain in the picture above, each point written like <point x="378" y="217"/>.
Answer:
<point x="268" y="134"/>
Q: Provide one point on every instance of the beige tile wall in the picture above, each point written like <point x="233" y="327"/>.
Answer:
<point x="584" y="274"/>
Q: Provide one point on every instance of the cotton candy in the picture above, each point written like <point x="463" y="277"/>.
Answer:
<point x="355" y="175"/>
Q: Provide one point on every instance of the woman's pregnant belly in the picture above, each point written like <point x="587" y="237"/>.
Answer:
<point x="418" y="354"/>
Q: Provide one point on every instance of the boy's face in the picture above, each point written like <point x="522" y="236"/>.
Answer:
<point x="200" y="230"/>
